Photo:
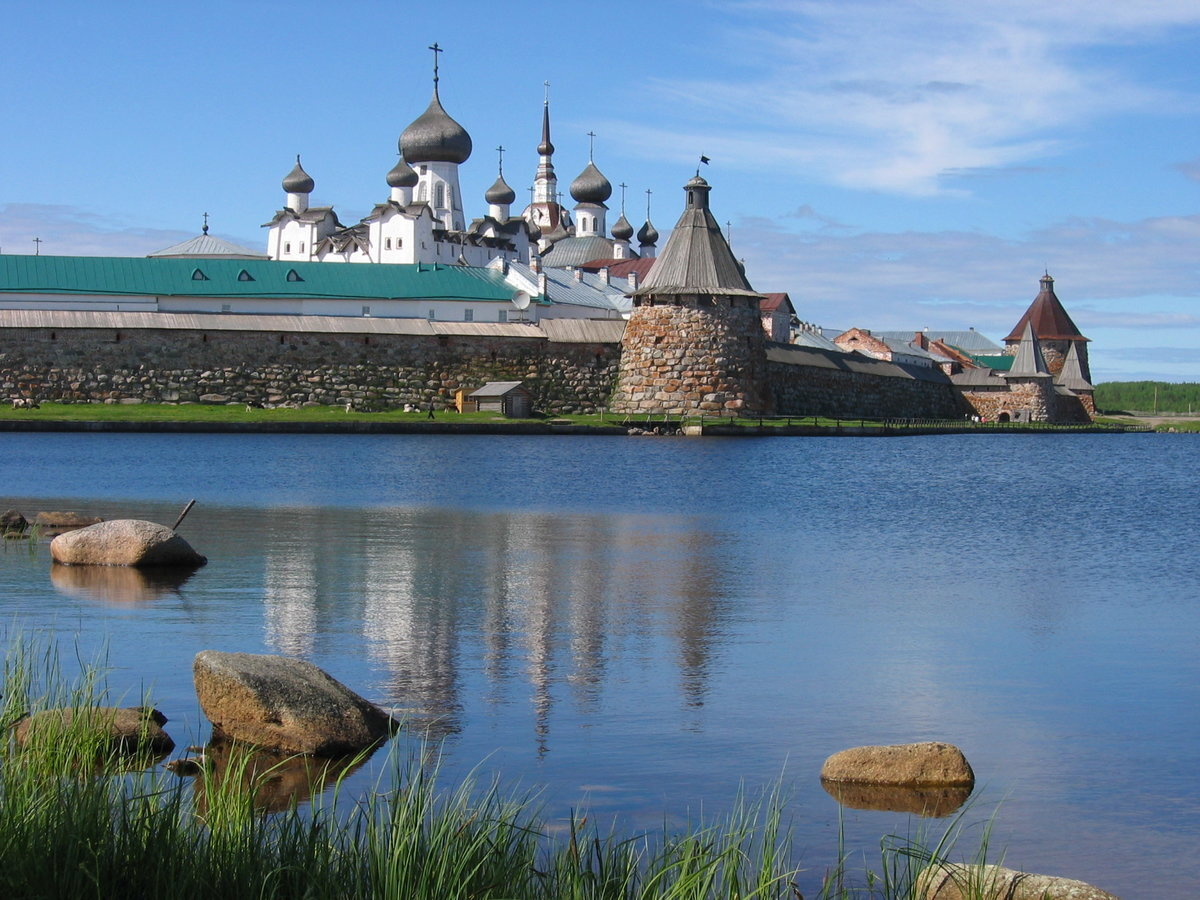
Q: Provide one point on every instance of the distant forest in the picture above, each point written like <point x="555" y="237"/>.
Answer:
<point x="1139" y="396"/>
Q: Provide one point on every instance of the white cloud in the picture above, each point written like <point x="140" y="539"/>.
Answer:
<point x="892" y="96"/>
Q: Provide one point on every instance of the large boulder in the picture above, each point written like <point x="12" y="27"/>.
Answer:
<point x="948" y="881"/>
<point x="119" y="730"/>
<point x="12" y="522"/>
<point x="124" y="542"/>
<point x="927" y="764"/>
<point x="285" y="704"/>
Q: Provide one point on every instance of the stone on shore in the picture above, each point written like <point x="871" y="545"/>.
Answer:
<point x="122" y="730"/>
<point x="914" y="765"/>
<point x="284" y="704"/>
<point x="949" y="881"/>
<point x="124" y="542"/>
<point x="12" y="522"/>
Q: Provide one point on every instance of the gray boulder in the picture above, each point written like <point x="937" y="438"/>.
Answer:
<point x="121" y="730"/>
<point x="12" y="522"/>
<point x="124" y="542"/>
<point x="284" y="704"/>
<point x="913" y="765"/>
<point x="948" y="881"/>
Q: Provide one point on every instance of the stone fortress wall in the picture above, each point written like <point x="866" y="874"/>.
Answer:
<point x="156" y="366"/>
<point x="388" y="370"/>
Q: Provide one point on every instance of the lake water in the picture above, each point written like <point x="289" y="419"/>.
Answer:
<point x="640" y="625"/>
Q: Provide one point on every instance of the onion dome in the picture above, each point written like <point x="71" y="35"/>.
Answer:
<point x="402" y="175"/>
<point x="591" y="186"/>
<point x="647" y="234"/>
<point x="500" y="192"/>
<point x="298" y="181"/>
<point x="621" y="229"/>
<point x="435" y="137"/>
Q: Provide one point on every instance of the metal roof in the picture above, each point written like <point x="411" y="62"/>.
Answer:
<point x="1050" y="321"/>
<point x="851" y="362"/>
<point x="970" y="342"/>
<point x="575" y="251"/>
<point x="135" y="276"/>
<point x="590" y="291"/>
<point x="207" y="246"/>
<point x="497" y="389"/>
<point x="815" y="341"/>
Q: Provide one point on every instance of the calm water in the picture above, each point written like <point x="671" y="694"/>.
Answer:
<point x="638" y="625"/>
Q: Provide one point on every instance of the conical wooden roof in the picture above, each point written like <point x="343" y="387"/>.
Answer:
<point x="697" y="258"/>
<point x="1071" y="375"/>
<point x="1048" y="318"/>
<point x="1028" y="361"/>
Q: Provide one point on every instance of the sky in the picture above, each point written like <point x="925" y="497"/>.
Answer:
<point x="891" y="165"/>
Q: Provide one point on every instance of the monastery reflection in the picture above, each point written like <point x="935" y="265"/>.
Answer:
<point x="450" y="602"/>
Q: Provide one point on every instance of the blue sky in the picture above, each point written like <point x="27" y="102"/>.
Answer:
<point x="889" y="164"/>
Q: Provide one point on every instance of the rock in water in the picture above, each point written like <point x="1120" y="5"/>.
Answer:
<point x="12" y="522"/>
<point x="948" y="881"/>
<point x="124" y="542"/>
<point x="285" y="704"/>
<point x="914" y="765"/>
<point x="128" y="730"/>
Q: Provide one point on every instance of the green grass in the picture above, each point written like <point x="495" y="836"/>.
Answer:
<point x="70" y="827"/>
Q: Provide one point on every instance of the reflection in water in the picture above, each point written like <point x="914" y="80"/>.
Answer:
<point x="118" y="584"/>
<point x="539" y="596"/>
<point x="275" y="781"/>
<point x="930" y="802"/>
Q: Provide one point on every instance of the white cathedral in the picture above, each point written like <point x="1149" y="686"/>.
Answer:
<point x="422" y="221"/>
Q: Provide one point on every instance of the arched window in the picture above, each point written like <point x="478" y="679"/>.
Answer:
<point x="439" y="196"/>
<point x="423" y="192"/>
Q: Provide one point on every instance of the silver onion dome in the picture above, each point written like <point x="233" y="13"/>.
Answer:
<point x="591" y="186"/>
<point x="500" y="192"/>
<point x="621" y="229"/>
<point x="435" y="137"/>
<point x="298" y="181"/>
<point x="402" y="175"/>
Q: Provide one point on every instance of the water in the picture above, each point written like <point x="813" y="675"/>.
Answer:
<point x="640" y="625"/>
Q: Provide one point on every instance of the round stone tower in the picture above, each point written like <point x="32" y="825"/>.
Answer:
<point x="695" y="341"/>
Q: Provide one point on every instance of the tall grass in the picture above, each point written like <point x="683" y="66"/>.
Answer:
<point x="72" y="828"/>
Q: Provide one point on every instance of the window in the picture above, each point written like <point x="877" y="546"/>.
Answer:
<point x="302" y="246"/>
<point x="287" y="247"/>
<point x="422" y="191"/>
<point x="387" y="243"/>
<point x="366" y="310"/>
<point x="399" y="243"/>
<point x="432" y="315"/>
<point x="503" y="315"/>
<point x="226" y="307"/>
<point x="468" y="315"/>
<point x="197" y="275"/>
<point x="293" y="275"/>
<point x="439" y="196"/>
<point x="245" y="276"/>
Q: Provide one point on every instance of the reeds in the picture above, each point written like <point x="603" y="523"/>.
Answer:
<point x="72" y="827"/>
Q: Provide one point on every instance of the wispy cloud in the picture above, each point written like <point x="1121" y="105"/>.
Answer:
<point x="893" y="96"/>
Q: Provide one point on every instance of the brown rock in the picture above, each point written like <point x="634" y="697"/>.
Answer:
<point x="55" y="522"/>
<point x="949" y="881"/>
<point x="124" y="542"/>
<point x="914" y="765"/>
<point x="127" y="730"/>
<point x="285" y="704"/>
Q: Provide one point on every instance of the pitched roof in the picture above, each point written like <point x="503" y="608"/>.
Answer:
<point x="1028" y="361"/>
<point x="573" y="251"/>
<point x="620" y="268"/>
<point x="140" y="276"/>
<point x="1071" y="375"/>
<point x="970" y="341"/>
<point x="779" y="300"/>
<point x="697" y="258"/>
<point x="1050" y="321"/>
<point x="207" y="246"/>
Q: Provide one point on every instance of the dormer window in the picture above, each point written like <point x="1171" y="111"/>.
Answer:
<point x="245" y="276"/>
<point x="293" y="275"/>
<point x="197" y="275"/>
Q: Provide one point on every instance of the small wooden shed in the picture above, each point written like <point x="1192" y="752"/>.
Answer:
<point x="510" y="398"/>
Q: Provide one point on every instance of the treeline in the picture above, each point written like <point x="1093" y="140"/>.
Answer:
<point x="1148" y="396"/>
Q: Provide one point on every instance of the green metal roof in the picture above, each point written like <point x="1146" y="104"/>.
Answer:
<point x="139" y="276"/>
<point x="1001" y="363"/>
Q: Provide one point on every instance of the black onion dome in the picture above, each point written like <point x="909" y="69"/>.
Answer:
<point x="298" y="181"/>
<point x="647" y="234"/>
<point x="621" y="229"/>
<point x="500" y="192"/>
<point x="435" y="137"/>
<point x="402" y="175"/>
<point x="591" y="186"/>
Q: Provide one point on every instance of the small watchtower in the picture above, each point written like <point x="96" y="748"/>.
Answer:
<point x="694" y="342"/>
